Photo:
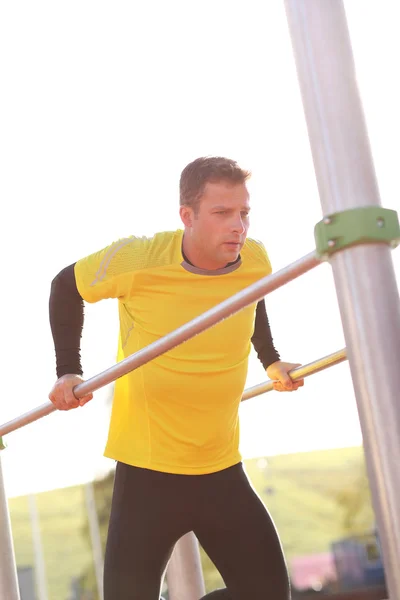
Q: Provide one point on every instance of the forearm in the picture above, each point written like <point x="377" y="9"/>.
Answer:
<point x="262" y="338"/>
<point x="66" y="311"/>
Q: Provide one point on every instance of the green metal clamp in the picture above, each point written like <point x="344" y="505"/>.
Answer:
<point x="2" y="444"/>
<point x="369" y="224"/>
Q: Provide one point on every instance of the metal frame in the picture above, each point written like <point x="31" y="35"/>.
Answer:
<point x="299" y="373"/>
<point x="184" y="575"/>
<point x="364" y="275"/>
<point x="38" y="555"/>
<point x="95" y="537"/>
<point x="218" y="313"/>
<point x="188" y="579"/>
<point x="8" y="569"/>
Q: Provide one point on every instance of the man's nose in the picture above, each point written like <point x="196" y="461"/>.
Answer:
<point x="238" y="225"/>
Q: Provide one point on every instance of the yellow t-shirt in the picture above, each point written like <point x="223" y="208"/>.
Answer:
<point x="179" y="412"/>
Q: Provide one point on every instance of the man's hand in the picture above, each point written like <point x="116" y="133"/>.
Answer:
<point x="278" y="372"/>
<point x="62" y="395"/>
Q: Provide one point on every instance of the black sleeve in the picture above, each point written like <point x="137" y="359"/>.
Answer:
<point x="66" y="309"/>
<point x="262" y="337"/>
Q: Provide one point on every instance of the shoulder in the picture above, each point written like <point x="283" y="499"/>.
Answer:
<point x="255" y="255"/>
<point x="131" y="253"/>
<point x="255" y="249"/>
<point x="164" y="239"/>
<point x="156" y="242"/>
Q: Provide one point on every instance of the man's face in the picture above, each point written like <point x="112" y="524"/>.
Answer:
<point x="219" y="229"/>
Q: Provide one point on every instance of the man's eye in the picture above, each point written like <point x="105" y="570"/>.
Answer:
<point x="221" y="212"/>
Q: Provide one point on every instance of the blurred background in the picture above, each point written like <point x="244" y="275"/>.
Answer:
<point x="103" y="104"/>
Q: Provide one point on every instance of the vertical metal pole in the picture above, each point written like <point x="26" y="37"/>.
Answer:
<point x="40" y="569"/>
<point x="8" y="571"/>
<point x="95" y="537"/>
<point x="184" y="574"/>
<point x="364" y="275"/>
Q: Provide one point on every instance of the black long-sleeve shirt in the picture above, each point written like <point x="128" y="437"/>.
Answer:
<point x="67" y="315"/>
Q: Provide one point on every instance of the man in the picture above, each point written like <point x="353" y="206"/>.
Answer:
<point x="174" y="428"/>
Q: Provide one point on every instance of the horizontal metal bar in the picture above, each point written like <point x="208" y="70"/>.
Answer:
<point x="298" y="373"/>
<point x="218" y="313"/>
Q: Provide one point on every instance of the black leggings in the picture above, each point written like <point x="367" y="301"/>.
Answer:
<point x="152" y="510"/>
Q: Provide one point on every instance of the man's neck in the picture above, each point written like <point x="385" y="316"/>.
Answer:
<point x="192" y="261"/>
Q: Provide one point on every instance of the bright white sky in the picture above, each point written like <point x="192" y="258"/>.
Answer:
<point x="103" y="104"/>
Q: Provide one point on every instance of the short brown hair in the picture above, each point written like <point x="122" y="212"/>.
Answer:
<point x="210" y="169"/>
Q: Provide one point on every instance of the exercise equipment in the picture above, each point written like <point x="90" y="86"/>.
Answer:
<point x="364" y="277"/>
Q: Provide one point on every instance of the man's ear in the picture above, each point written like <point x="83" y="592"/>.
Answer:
<point x="186" y="214"/>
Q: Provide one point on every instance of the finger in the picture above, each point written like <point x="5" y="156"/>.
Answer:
<point x="57" y="400"/>
<point x="59" y="403"/>
<point x="278" y="387"/>
<point x="294" y="383"/>
<point x="298" y="384"/>
<point x="286" y="382"/>
<point x="295" y="366"/>
<point x="63" y="406"/>
<point x="85" y="399"/>
<point x="70" y="399"/>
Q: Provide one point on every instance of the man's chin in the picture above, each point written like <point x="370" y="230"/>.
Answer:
<point x="231" y="255"/>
